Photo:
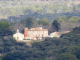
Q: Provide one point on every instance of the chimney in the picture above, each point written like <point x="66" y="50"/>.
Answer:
<point x="25" y="33"/>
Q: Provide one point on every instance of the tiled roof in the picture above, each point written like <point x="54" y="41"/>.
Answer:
<point x="64" y="32"/>
<point x="37" y="29"/>
<point x="60" y="33"/>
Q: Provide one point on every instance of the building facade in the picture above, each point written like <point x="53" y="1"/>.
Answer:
<point x="35" y="33"/>
<point x="18" y="35"/>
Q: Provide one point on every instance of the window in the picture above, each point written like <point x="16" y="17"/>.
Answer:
<point x="42" y="35"/>
<point x="36" y="31"/>
<point x="39" y="35"/>
<point x="39" y="38"/>
<point x="44" y="31"/>
<point x="36" y="34"/>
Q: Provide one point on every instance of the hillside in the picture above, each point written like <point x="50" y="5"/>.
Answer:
<point x="64" y="48"/>
<point x="37" y="8"/>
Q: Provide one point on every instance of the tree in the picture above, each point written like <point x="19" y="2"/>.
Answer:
<point x="28" y="22"/>
<point x="67" y="56"/>
<point x="5" y="29"/>
<point x="17" y="55"/>
<point x="55" y="26"/>
<point x="44" y="21"/>
<point x="18" y="26"/>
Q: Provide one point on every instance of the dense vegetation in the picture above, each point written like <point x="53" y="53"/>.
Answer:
<point x="50" y="9"/>
<point x="67" y="47"/>
<point x="5" y="29"/>
<point x="65" y="23"/>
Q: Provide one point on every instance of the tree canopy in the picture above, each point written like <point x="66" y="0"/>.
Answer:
<point x="44" y="21"/>
<point x="28" y="22"/>
<point x="55" y="26"/>
<point x="5" y="29"/>
<point x="67" y="47"/>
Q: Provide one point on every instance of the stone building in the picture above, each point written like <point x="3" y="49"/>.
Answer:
<point x="18" y="35"/>
<point x="35" y="33"/>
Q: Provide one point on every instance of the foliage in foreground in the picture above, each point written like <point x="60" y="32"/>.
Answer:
<point x="5" y="29"/>
<point x="67" y="47"/>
